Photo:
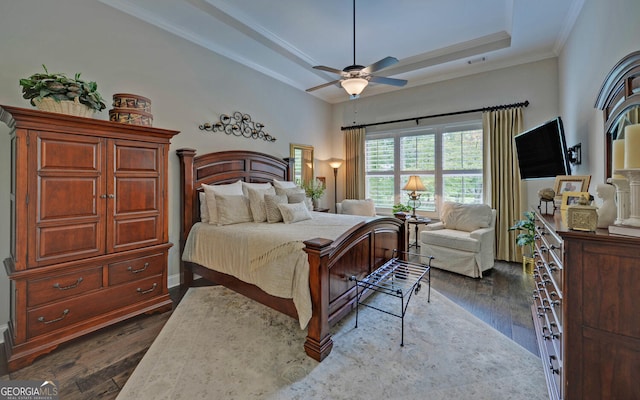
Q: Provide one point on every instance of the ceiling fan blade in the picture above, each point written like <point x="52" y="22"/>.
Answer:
<point x="323" y="85"/>
<point x="387" y="81"/>
<point x="329" y="69"/>
<point x="378" y="65"/>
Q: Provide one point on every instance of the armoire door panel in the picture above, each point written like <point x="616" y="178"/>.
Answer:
<point x="68" y="242"/>
<point x="62" y="152"/>
<point x="68" y="197"/>
<point x="135" y="233"/>
<point x="134" y="195"/>
<point x="134" y="158"/>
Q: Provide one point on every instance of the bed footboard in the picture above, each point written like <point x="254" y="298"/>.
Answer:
<point x="358" y="252"/>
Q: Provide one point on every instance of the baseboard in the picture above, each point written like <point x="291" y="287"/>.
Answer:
<point x="174" y="280"/>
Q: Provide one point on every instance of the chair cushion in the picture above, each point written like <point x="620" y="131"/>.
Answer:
<point x="359" y="207"/>
<point x="452" y="239"/>
<point x="466" y="217"/>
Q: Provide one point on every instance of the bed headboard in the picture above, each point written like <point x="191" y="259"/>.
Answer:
<point x="219" y="168"/>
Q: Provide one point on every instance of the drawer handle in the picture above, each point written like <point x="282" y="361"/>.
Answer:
<point x="135" y="271"/>
<point x="139" y="290"/>
<point x="72" y="286"/>
<point x="64" y="314"/>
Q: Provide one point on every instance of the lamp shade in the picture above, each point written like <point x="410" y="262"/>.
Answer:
<point x="414" y="184"/>
<point x="354" y="86"/>
<point x="335" y="163"/>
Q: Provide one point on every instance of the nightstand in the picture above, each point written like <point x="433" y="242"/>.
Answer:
<point x="321" y="209"/>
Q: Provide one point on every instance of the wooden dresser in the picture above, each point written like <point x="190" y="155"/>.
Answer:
<point x="89" y="227"/>
<point x="585" y="311"/>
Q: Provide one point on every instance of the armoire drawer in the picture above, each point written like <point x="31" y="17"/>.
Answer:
<point x="45" y="319"/>
<point x="136" y="268"/>
<point x="61" y="286"/>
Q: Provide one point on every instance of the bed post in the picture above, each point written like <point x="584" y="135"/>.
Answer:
<point x="319" y="343"/>
<point x="186" y="207"/>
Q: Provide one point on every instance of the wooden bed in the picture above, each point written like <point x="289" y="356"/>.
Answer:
<point x="358" y="252"/>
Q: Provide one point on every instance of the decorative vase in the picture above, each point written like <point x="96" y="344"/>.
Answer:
<point x="528" y="264"/>
<point x="68" y="107"/>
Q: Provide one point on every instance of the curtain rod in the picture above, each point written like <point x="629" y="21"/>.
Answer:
<point x="484" y="109"/>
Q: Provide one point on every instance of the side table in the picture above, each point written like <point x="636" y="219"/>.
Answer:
<point x="321" y="210"/>
<point x="416" y="222"/>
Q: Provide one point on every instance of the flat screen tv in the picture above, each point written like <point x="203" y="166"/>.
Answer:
<point x="542" y="151"/>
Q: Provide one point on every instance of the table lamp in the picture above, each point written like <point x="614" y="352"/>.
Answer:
<point x="414" y="185"/>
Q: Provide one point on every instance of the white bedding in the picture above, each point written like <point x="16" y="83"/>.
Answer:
<point x="269" y="256"/>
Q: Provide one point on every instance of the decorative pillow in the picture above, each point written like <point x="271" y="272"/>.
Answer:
<point x="289" y="191"/>
<point x="251" y="185"/>
<point x="359" y="207"/>
<point x="296" y="195"/>
<point x="296" y="198"/>
<point x="204" y="211"/>
<point x="256" y="203"/>
<point x="271" y="202"/>
<point x="233" y="209"/>
<point x="294" y="212"/>
<point x="284" y="184"/>
<point x="465" y="217"/>
<point x="210" y="191"/>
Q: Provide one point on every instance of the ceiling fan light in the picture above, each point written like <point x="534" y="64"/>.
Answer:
<point x="354" y="86"/>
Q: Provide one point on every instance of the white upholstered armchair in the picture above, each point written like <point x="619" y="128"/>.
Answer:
<point x="464" y="239"/>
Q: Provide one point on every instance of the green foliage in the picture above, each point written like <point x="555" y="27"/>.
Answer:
<point x="401" y="208"/>
<point x="59" y="87"/>
<point x="314" y="189"/>
<point x="528" y="228"/>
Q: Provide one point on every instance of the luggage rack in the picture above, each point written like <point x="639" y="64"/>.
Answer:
<point x="398" y="278"/>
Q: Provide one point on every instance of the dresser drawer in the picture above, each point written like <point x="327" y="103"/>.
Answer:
<point x="136" y="268"/>
<point x="70" y="311"/>
<point x="61" y="286"/>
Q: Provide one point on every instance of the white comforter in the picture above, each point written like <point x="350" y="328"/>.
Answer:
<point x="269" y="256"/>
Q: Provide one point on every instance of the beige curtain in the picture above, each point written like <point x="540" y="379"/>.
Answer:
<point x="503" y="177"/>
<point x="354" y="163"/>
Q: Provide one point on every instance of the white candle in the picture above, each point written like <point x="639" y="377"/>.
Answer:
<point x="617" y="155"/>
<point x="632" y="146"/>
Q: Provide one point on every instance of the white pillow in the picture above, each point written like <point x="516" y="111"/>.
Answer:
<point x="233" y="209"/>
<point x="294" y="212"/>
<point x="256" y="203"/>
<point x="210" y="191"/>
<point x="271" y="202"/>
<point x="359" y="207"/>
<point x="465" y="217"/>
<point x="204" y="211"/>
<point x="247" y="185"/>
<point x="284" y="184"/>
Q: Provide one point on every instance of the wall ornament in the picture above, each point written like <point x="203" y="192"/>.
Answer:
<point x="238" y="124"/>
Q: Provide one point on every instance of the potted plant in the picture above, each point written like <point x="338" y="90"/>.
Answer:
<point x="314" y="189"/>
<point x="526" y="238"/>
<point x="57" y="93"/>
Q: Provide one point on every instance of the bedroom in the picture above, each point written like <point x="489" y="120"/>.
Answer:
<point x="189" y="86"/>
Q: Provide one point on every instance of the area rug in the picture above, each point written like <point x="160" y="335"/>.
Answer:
<point x="221" y="345"/>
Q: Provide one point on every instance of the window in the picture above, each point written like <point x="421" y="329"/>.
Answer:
<point x="448" y="158"/>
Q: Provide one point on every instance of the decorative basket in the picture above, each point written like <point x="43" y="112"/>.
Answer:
<point x="130" y="116"/>
<point x="131" y="101"/>
<point x="68" y="107"/>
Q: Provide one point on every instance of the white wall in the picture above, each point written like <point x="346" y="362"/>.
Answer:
<point x="604" y="33"/>
<point x="186" y="84"/>
<point x="536" y="82"/>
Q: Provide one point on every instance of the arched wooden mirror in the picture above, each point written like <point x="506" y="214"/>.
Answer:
<point x="303" y="162"/>
<point x="619" y="98"/>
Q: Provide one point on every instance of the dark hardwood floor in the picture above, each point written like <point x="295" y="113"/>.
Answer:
<point x="98" y="365"/>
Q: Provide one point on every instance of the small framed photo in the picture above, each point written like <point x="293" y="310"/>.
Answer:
<point x="571" y="183"/>
<point x="572" y="198"/>
<point x="323" y="180"/>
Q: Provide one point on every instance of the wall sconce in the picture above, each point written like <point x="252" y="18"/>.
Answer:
<point x="575" y="154"/>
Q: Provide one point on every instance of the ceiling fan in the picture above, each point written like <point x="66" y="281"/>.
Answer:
<point x="355" y="78"/>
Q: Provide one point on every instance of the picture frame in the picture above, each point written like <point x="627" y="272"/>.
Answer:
<point x="572" y="198"/>
<point x="571" y="183"/>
